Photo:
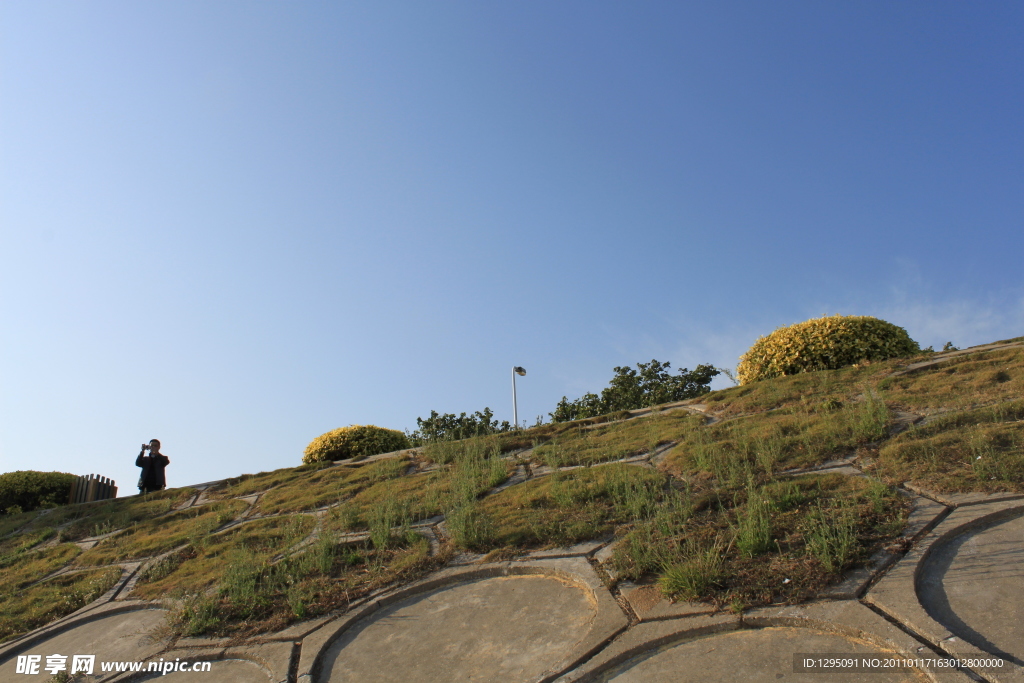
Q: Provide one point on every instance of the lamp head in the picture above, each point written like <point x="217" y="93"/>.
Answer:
<point x="519" y="371"/>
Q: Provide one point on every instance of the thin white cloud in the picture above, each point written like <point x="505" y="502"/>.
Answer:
<point x="964" y="322"/>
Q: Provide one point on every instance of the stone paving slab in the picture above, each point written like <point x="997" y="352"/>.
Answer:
<point x="858" y="624"/>
<point x="960" y="588"/>
<point x="504" y="621"/>
<point x="518" y="477"/>
<point x="113" y="634"/>
<point x="954" y="500"/>
<point x="221" y="671"/>
<point x="828" y="465"/>
<point x="643" y="637"/>
<point x="301" y="629"/>
<point x="847" y="470"/>
<point x="648" y="603"/>
<point x="758" y="647"/>
<point x="260" y="663"/>
<point x="757" y="655"/>
<point x="411" y="452"/>
<point x="583" y="548"/>
<point x="488" y="631"/>
<point x="605" y="554"/>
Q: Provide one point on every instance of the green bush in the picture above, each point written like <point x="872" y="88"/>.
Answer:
<point x="27" y="490"/>
<point x="824" y="343"/>
<point x="650" y="385"/>
<point x="355" y="441"/>
<point x="452" y="427"/>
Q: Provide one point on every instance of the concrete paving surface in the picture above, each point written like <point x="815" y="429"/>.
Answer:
<point x="961" y="588"/>
<point x="756" y="655"/>
<point x="973" y="584"/>
<point x="113" y="636"/>
<point x="223" y="671"/>
<point x="505" y="628"/>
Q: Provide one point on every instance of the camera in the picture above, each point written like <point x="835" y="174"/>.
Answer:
<point x="145" y="446"/>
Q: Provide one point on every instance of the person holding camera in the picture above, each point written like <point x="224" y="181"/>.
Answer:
<point x="152" y="465"/>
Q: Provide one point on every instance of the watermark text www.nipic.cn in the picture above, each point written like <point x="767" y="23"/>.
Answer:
<point x="86" y="664"/>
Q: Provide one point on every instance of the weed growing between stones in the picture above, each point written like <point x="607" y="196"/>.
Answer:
<point x="788" y="437"/>
<point x="384" y="517"/>
<point x="52" y="599"/>
<point x="831" y="537"/>
<point x="473" y="471"/>
<point x="692" y="577"/>
<point x="752" y="531"/>
<point x="259" y="595"/>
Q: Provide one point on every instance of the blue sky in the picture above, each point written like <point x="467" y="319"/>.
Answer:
<point x="233" y="226"/>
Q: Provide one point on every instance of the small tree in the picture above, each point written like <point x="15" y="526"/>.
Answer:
<point x="629" y="389"/>
<point x="448" y="426"/>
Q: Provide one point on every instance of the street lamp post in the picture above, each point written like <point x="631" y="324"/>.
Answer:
<point x="516" y="370"/>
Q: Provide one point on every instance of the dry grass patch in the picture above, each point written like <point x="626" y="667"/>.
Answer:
<point x="309" y="491"/>
<point x="803" y="391"/>
<point x="75" y="522"/>
<point x="973" y="450"/>
<point x="961" y="382"/>
<point x="583" y="445"/>
<point x="565" y="507"/>
<point x="203" y="563"/>
<point x="235" y="584"/>
<point x="256" y="596"/>
<point x="329" y="485"/>
<point x="27" y="609"/>
<point x="416" y="497"/>
<point x="781" y="542"/>
<point x="11" y="523"/>
<point x="728" y="453"/>
<point x="18" y="571"/>
<point x="19" y="544"/>
<point x="156" y="536"/>
<point x="444" y="452"/>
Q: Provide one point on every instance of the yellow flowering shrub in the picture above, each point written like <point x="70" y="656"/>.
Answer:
<point x="823" y="343"/>
<point x="354" y="441"/>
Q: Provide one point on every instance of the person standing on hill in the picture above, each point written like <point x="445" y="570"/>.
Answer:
<point x="152" y="465"/>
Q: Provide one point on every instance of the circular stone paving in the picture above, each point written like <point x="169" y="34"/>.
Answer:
<point x="972" y="583"/>
<point x="118" y="637"/>
<point x="498" y="629"/>
<point x="222" y="671"/>
<point x="763" y="655"/>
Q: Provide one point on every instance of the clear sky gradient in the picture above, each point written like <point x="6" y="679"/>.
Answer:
<point x="233" y="226"/>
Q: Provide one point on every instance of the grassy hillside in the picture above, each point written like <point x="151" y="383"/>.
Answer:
<point x="719" y="498"/>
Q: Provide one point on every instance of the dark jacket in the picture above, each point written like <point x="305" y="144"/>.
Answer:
<point x="152" y="470"/>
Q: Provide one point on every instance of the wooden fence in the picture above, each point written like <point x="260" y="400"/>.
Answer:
<point x="90" y="488"/>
